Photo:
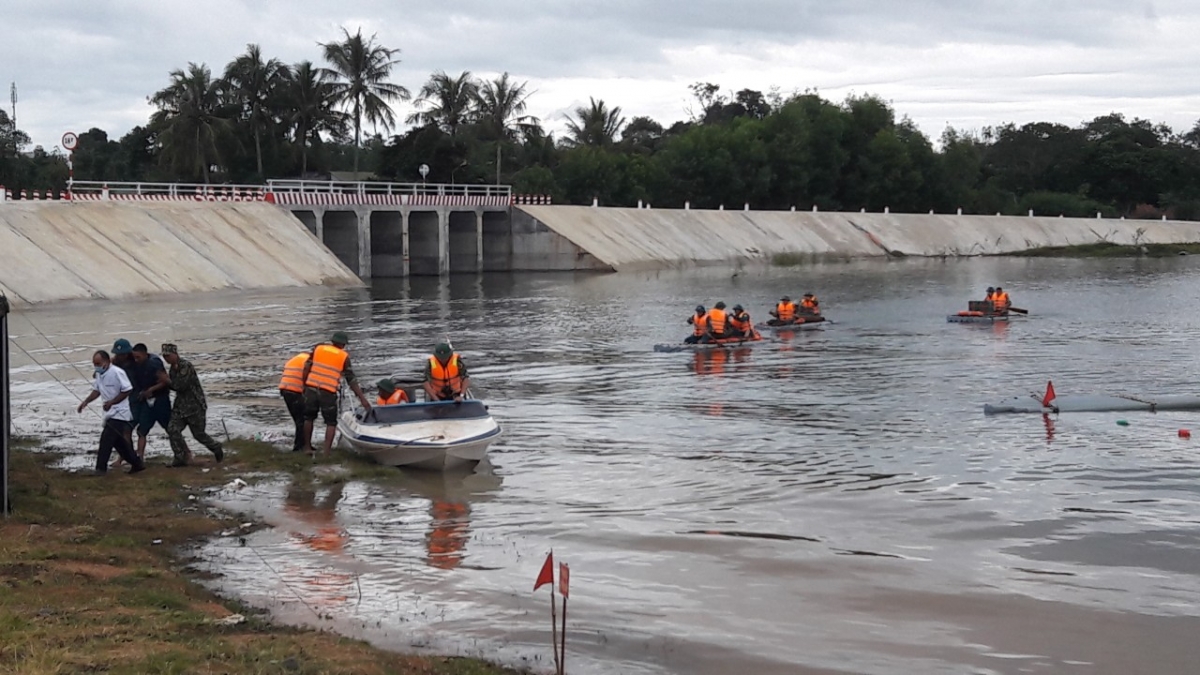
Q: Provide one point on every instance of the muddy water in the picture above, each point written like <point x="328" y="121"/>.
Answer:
<point x="832" y="502"/>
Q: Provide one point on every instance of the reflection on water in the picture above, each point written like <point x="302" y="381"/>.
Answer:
<point x="831" y="499"/>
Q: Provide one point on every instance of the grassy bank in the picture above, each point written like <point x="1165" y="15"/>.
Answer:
<point x="90" y="580"/>
<point x="1110" y="250"/>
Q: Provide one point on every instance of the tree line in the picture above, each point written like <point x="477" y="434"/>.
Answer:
<point x="260" y="118"/>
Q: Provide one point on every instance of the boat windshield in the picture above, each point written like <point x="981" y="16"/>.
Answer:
<point x="419" y="412"/>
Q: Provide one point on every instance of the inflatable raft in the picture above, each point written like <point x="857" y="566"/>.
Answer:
<point x="707" y="346"/>
<point x="1092" y="403"/>
<point x="976" y="317"/>
<point x="801" y="323"/>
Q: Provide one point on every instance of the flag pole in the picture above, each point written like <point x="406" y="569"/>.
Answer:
<point x="558" y="669"/>
<point x="562" y="661"/>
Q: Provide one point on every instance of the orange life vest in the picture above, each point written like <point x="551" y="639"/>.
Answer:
<point x="809" y="305"/>
<point x="445" y="376"/>
<point x="328" y="362"/>
<point x="1000" y="302"/>
<point x="397" y="396"/>
<point x="699" y="323"/>
<point x="740" y="322"/>
<point x="293" y="374"/>
<point x="716" y="320"/>
<point x="786" y="311"/>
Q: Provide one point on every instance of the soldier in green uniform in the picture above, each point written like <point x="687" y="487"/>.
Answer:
<point x="189" y="410"/>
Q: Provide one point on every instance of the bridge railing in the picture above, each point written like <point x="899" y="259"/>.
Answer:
<point x="119" y="189"/>
<point x="397" y="189"/>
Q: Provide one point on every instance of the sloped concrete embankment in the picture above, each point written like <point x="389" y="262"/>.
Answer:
<point x="632" y="239"/>
<point x="61" y="250"/>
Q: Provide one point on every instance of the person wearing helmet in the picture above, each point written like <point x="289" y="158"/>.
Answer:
<point x="445" y="375"/>
<point x="699" y="323"/>
<point x="991" y="294"/>
<point x="784" y="312"/>
<point x="1000" y="302"/>
<point x="718" y="323"/>
<point x="739" y="322"/>
<point x="810" y="305"/>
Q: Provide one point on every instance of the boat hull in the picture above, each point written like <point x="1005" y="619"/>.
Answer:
<point x="706" y="346"/>
<point x="805" y="325"/>
<point x="1093" y="403"/>
<point x="958" y="318"/>
<point x="436" y="438"/>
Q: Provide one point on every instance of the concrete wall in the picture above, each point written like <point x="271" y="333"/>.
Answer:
<point x="62" y="250"/>
<point x="551" y="240"/>
<point x="555" y="237"/>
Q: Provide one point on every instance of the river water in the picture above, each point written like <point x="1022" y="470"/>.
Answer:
<point x="832" y="502"/>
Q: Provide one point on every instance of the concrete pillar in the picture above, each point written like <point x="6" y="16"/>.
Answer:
<point x="639" y="203"/>
<point x="793" y="209"/>
<point x="746" y="206"/>
<point x="364" y="243"/>
<point x="863" y="210"/>
<point x="887" y="209"/>
<point x="931" y="212"/>
<point x="814" y="208"/>
<point x="479" y="240"/>
<point x="443" y="214"/>
<point x="1097" y="215"/>
<point x="687" y="206"/>
<point x="960" y="210"/>
<point x="404" y="240"/>
<point x="721" y="207"/>
<point x="1030" y="213"/>
<point x="595" y="202"/>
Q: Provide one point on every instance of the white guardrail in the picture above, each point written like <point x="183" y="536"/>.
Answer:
<point x="288" y="192"/>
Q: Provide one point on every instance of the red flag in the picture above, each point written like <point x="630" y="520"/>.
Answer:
<point x="546" y="576"/>
<point x="1049" y="394"/>
<point x="564" y="580"/>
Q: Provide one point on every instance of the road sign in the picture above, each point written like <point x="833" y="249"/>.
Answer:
<point x="70" y="140"/>
<point x="424" y="170"/>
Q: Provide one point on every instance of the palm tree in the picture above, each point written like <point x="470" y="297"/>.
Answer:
<point x="190" y="120"/>
<point x="500" y="106"/>
<point x="359" y="73"/>
<point x="253" y="87"/>
<point x="450" y="101"/>
<point x="310" y="101"/>
<point x="595" y="124"/>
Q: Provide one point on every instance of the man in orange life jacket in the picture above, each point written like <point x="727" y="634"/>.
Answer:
<point x="445" y="375"/>
<point x="291" y="388"/>
<point x="784" y="312"/>
<point x="389" y="394"/>
<point x="718" y="323"/>
<point x="739" y="322"/>
<point x="327" y="366"/>
<point x="809" y="304"/>
<point x="699" y="322"/>
<point x="1000" y="301"/>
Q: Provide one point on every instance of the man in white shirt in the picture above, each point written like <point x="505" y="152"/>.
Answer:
<point x="112" y="385"/>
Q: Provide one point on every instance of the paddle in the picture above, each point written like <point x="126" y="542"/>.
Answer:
<point x="1018" y="310"/>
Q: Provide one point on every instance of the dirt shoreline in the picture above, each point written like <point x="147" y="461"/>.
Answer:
<point x="94" y="580"/>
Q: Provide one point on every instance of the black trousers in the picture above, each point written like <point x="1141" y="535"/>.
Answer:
<point x="295" y="406"/>
<point x="116" y="435"/>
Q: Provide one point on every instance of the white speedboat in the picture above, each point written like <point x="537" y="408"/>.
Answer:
<point x="437" y="435"/>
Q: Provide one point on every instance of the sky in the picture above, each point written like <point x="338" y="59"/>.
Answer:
<point x="969" y="64"/>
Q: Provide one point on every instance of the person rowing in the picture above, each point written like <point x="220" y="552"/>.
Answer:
<point x="740" y="323"/>
<point x="718" y="324"/>
<point x="1001" y="302"/>
<point x="699" y="323"/>
<point x="809" y="305"/>
<point x="784" y="312"/>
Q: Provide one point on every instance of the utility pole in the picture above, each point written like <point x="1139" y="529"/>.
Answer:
<point x="12" y="96"/>
<point x="5" y="410"/>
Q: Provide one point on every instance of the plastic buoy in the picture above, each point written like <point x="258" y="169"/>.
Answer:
<point x="1122" y="423"/>
<point x="1184" y="433"/>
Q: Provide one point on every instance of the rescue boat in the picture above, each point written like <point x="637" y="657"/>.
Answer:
<point x="432" y="435"/>
<point x="980" y="311"/>
<point x="727" y="343"/>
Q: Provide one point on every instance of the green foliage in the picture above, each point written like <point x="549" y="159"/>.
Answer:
<point x="263" y="119"/>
